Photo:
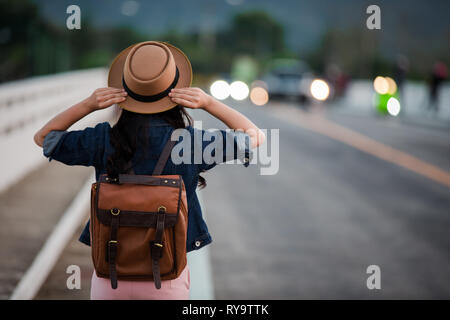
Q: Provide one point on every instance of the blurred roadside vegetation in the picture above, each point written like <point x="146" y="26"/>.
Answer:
<point x="32" y="46"/>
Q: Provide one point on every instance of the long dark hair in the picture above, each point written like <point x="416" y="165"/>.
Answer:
<point x="130" y="132"/>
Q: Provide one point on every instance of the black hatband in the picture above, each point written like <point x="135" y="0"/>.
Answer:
<point x="154" y="97"/>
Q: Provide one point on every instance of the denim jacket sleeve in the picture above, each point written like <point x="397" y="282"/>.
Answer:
<point x="218" y="146"/>
<point x="79" y="147"/>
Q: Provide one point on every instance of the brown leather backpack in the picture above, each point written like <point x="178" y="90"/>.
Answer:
<point x="139" y="225"/>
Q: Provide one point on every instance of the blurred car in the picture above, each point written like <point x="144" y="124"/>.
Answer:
<point x="288" y="78"/>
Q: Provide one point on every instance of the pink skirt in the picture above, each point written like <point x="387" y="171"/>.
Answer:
<point x="177" y="289"/>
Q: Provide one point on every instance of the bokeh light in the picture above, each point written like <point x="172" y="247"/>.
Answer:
<point x="220" y="89"/>
<point x="239" y="90"/>
<point x="392" y="86"/>
<point x="393" y="106"/>
<point x="259" y="96"/>
<point x="320" y="89"/>
<point x="381" y="85"/>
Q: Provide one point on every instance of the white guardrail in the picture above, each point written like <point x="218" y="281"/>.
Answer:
<point x="25" y="106"/>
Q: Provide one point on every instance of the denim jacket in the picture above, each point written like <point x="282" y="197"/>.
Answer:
<point x="91" y="147"/>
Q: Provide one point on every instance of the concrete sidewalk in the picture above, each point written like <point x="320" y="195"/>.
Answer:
<point x="29" y="210"/>
<point x="55" y="287"/>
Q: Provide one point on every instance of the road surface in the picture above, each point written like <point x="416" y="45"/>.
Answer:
<point x="311" y="230"/>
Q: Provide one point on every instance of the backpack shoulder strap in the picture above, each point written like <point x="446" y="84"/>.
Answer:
<point x="165" y="154"/>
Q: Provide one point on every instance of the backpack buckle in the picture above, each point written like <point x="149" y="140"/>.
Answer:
<point x="156" y="249"/>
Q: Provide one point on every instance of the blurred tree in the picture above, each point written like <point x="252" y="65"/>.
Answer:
<point x="120" y="38"/>
<point x="354" y="50"/>
<point x="359" y="52"/>
<point x="17" y="19"/>
<point x="244" y="68"/>
<point x="33" y="46"/>
<point x="252" y="33"/>
<point x="256" y="33"/>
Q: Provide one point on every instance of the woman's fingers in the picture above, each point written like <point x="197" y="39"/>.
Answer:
<point x="196" y="96"/>
<point x="184" y="102"/>
<point x="105" y="97"/>
<point x="102" y="89"/>
<point x="188" y="97"/>
<point x="189" y="91"/>
<point x="108" y="90"/>
<point x="112" y="95"/>
<point x="112" y="101"/>
<point x="182" y="96"/>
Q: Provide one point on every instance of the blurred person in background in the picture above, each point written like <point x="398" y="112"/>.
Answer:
<point x="338" y="78"/>
<point x="438" y="75"/>
<point x="145" y="124"/>
<point x="400" y="71"/>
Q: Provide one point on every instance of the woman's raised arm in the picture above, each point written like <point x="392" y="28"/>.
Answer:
<point x="196" y="98"/>
<point x="101" y="98"/>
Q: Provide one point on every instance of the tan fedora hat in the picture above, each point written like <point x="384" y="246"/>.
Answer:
<point x="148" y="71"/>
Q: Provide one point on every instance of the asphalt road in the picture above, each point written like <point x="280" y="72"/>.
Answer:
<point x="312" y="229"/>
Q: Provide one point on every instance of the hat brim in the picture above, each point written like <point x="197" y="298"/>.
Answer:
<point x="116" y="73"/>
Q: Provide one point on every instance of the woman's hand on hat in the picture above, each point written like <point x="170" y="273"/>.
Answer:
<point x="194" y="98"/>
<point x="103" y="98"/>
